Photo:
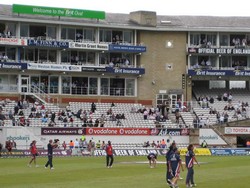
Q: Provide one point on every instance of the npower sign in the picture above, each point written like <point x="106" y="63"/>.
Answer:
<point x="211" y="137"/>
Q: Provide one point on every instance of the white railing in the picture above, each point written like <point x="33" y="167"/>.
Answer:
<point x="44" y="97"/>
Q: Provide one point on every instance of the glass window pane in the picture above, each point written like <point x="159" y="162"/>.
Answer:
<point x="127" y="37"/>
<point x="11" y="53"/>
<point x="71" y="34"/>
<point x="53" y="84"/>
<point x="65" y="85"/>
<point x="130" y="87"/>
<point x="104" y="86"/>
<point x="92" y="86"/>
<point x="64" y="33"/>
<point x="91" y="58"/>
<point x="51" y="32"/>
<point x="88" y="34"/>
<point x="52" y="55"/>
<point x="43" y="56"/>
<point x="65" y="56"/>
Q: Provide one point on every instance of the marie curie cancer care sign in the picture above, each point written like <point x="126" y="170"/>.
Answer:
<point x="53" y="11"/>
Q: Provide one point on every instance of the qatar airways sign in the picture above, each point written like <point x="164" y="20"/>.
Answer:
<point x="118" y="131"/>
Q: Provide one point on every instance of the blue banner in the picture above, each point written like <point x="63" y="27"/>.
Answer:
<point x="200" y="72"/>
<point x="48" y="43"/>
<point x="117" y="70"/>
<point x="230" y="151"/>
<point x="10" y="65"/>
<point x="127" y="48"/>
<point x="94" y="69"/>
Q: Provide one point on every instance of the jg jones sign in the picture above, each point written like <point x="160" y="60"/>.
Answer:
<point x="52" y="11"/>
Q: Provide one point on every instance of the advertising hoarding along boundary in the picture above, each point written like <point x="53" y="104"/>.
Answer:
<point x="98" y="131"/>
<point x="54" y="11"/>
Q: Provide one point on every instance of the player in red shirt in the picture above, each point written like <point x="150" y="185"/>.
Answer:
<point x="33" y="151"/>
<point x="109" y="152"/>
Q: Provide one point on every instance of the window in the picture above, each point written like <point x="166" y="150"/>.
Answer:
<point x="24" y="30"/>
<point x="11" y="53"/>
<point x="194" y="39"/>
<point x="127" y="37"/>
<point x="52" y="55"/>
<point x="43" y="57"/>
<point x="225" y="62"/>
<point x="117" y="86"/>
<point x="224" y="40"/>
<point x="27" y="54"/>
<point x="105" y="36"/>
<point x="51" y="32"/>
<point x="53" y="84"/>
<point x="104" y="86"/>
<point x="92" y="86"/>
<point x="37" y="31"/>
<point x="130" y="87"/>
<point x="103" y="59"/>
<point x="89" y="35"/>
<point x="65" y="85"/>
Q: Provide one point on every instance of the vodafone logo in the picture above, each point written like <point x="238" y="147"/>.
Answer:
<point x="90" y="131"/>
<point x="121" y="131"/>
<point x="118" y="131"/>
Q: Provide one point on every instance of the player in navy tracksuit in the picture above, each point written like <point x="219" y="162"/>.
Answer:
<point x="190" y="158"/>
<point x="168" y="154"/>
<point x="152" y="157"/>
<point x="175" y="164"/>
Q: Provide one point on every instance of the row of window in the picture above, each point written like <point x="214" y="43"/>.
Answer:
<point x="48" y="32"/>
<point x="207" y="40"/>
<point x="67" y="56"/>
<point x="69" y="85"/>
<point x="219" y="61"/>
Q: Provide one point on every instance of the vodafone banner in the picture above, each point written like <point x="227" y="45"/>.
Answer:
<point x="237" y="130"/>
<point x="118" y="131"/>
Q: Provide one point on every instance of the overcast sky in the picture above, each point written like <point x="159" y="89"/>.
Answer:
<point x="162" y="7"/>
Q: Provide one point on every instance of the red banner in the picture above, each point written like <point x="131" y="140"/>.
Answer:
<point x="119" y="131"/>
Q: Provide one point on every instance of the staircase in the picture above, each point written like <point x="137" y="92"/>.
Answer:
<point x="43" y="97"/>
<point x="222" y="136"/>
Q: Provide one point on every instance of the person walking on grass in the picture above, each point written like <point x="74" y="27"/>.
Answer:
<point x="175" y="164"/>
<point x="34" y="153"/>
<point x="190" y="158"/>
<point x="50" y="146"/>
<point x="109" y="156"/>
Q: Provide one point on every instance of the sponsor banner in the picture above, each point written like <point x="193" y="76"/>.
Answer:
<point x="131" y="152"/>
<point x="237" y="130"/>
<point x="136" y="71"/>
<point x="62" y="131"/>
<point x="230" y="151"/>
<point x="13" y="41"/>
<point x="54" y="67"/>
<point x="48" y="43"/>
<point x="127" y="48"/>
<point x="171" y="132"/>
<point x="7" y="65"/>
<point x="200" y="72"/>
<point x="54" y="11"/>
<point x="197" y="151"/>
<point x="41" y="153"/>
<point x="211" y="137"/>
<point x="118" y="131"/>
<point x="88" y="46"/>
<point x="221" y="51"/>
<point x="94" y="69"/>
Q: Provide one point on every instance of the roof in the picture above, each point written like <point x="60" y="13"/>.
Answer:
<point x="164" y="22"/>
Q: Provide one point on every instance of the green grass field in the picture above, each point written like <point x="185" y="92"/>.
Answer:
<point x="90" y="172"/>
